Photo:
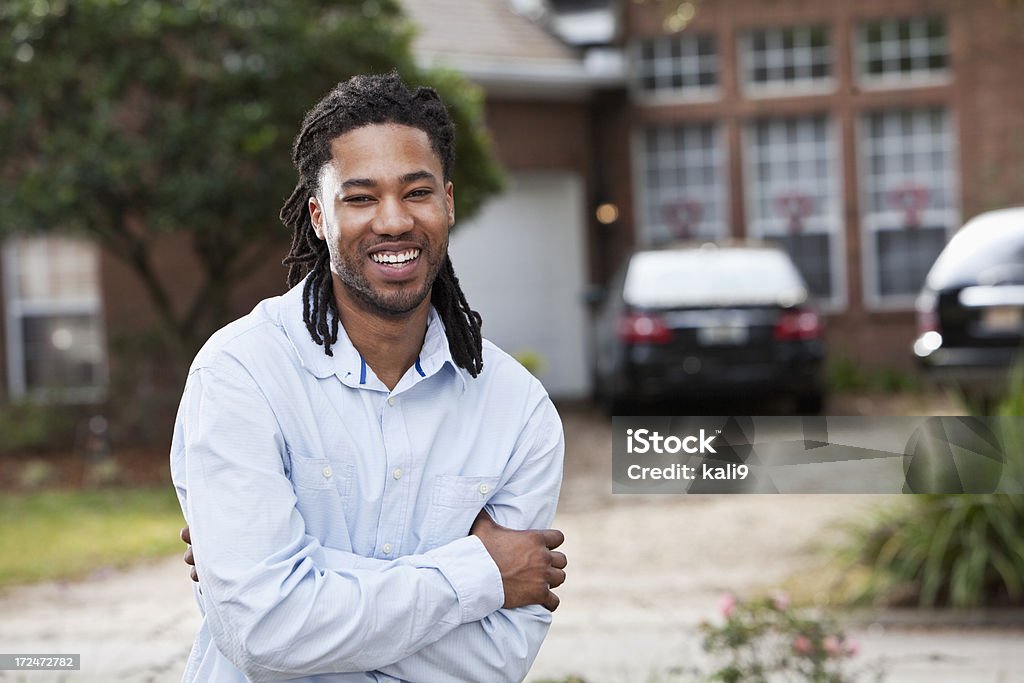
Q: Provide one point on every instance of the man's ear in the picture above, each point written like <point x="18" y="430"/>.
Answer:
<point x="316" y="216"/>
<point x="449" y="192"/>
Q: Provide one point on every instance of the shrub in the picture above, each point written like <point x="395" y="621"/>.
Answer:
<point x="34" y="427"/>
<point x="946" y="550"/>
<point x="767" y="640"/>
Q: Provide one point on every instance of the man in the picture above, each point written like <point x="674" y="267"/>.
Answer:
<point x="358" y="467"/>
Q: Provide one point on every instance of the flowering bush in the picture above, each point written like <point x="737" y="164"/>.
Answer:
<point x="767" y="641"/>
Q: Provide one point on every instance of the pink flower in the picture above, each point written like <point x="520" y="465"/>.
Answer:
<point x="852" y="647"/>
<point x="727" y="605"/>
<point x="802" y="645"/>
<point x="832" y="646"/>
<point x="780" y="601"/>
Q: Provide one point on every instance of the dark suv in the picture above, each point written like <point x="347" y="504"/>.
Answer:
<point x="970" y="313"/>
<point x="708" y="321"/>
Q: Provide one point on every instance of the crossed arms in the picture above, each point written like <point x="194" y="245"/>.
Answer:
<point x="280" y="604"/>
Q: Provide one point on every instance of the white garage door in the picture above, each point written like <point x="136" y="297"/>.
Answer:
<point x="521" y="265"/>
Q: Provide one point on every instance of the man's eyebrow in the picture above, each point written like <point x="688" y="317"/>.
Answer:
<point x="405" y="179"/>
<point x="417" y="175"/>
<point x="358" y="182"/>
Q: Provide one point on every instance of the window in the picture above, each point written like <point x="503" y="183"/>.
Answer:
<point x="54" y="326"/>
<point x="901" y="51"/>
<point x="793" y="197"/>
<point x="682" y="178"/>
<point x="678" y="64"/>
<point x="909" y="205"/>
<point x="697" y="277"/>
<point x="785" y="58"/>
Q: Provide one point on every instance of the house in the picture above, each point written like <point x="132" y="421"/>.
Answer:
<point x="859" y="136"/>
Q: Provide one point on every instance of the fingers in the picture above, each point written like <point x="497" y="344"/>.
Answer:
<point x="551" y="602"/>
<point x="559" y="560"/>
<point x="553" y="538"/>
<point x="190" y="558"/>
<point x="556" y="577"/>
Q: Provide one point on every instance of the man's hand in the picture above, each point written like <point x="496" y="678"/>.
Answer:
<point x="529" y="564"/>
<point x="190" y="559"/>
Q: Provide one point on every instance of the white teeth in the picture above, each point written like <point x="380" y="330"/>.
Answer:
<point x="403" y="257"/>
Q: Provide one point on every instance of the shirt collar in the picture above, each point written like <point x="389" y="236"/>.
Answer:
<point x="346" y="362"/>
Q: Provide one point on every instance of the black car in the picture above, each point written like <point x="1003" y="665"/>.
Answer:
<point x="970" y="313"/>
<point x="710" y="320"/>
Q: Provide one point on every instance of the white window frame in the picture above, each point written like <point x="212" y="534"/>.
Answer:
<point x="919" y="78"/>
<point x="830" y="223"/>
<point x="646" y="233"/>
<point x="16" y="310"/>
<point x="874" y="222"/>
<point x="795" y="88"/>
<point x="671" y="95"/>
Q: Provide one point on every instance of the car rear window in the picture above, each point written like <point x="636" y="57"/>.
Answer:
<point x="699" y="277"/>
<point x="989" y="254"/>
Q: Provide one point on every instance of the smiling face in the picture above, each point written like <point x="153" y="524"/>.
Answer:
<point x="384" y="209"/>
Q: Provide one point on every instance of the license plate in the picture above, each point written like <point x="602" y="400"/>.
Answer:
<point x="722" y="335"/>
<point x="1002" y="319"/>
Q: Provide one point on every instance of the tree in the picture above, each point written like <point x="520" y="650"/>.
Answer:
<point x="129" y="119"/>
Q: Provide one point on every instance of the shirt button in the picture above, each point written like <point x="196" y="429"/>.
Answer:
<point x="387" y="548"/>
<point x="327" y="472"/>
<point x="484" y="488"/>
<point x="397" y="474"/>
<point x="391" y="400"/>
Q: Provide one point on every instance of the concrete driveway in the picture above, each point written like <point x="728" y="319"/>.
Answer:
<point x="644" y="572"/>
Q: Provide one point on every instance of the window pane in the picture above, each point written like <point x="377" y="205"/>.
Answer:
<point x="905" y="256"/>
<point x="678" y="63"/>
<point x="788" y="56"/>
<point x="910" y="200"/>
<point x="793" y="195"/>
<point x="810" y="253"/>
<point x="55" y="269"/>
<point x="53" y="308"/>
<point x="684" y="196"/>
<point x="62" y="352"/>
<point x="903" y="48"/>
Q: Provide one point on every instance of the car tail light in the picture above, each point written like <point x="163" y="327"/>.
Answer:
<point x="644" y="328"/>
<point x="927" y="321"/>
<point x="927" y="312"/>
<point x="798" y="325"/>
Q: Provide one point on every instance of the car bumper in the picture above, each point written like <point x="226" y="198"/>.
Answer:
<point x="985" y="370"/>
<point x="707" y="377"/>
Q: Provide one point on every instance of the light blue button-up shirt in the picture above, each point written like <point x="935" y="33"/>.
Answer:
<point x="330" y="516"/>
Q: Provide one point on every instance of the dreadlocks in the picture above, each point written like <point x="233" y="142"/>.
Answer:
<point x="357" y="102"/>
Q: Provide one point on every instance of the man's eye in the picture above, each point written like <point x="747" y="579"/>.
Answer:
<point x="358" y="199"/>
<point x="421" y="192"/>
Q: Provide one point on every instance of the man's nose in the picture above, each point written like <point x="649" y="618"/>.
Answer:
<point x="393" y="218"/>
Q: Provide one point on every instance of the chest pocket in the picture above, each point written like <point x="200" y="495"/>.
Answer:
<point x="321" y="474"/>
<point x="454" y="505"/>
<point x="323" y="490"/>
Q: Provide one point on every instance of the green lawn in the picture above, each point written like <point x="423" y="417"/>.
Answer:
<point x="63" y="534"/>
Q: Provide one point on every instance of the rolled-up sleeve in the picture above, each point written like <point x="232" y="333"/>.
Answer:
<point x="272" y="608"/>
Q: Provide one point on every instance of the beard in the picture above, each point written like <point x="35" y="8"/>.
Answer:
<point x="349" y="272"/>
